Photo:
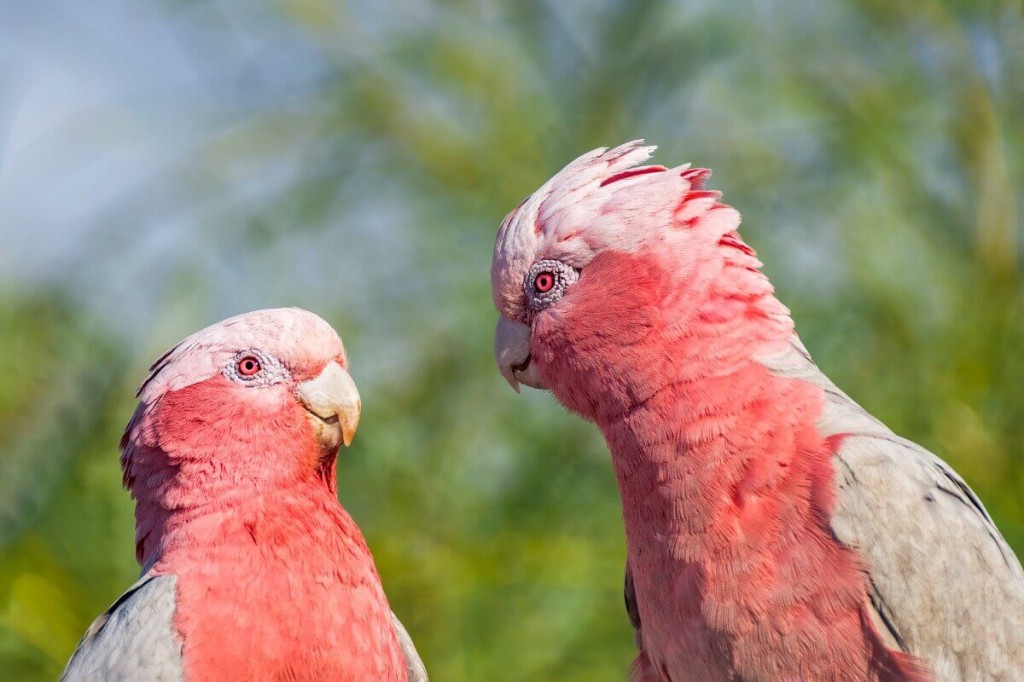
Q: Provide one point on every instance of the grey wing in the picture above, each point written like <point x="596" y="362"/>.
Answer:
<point x="133" y="640"/>
<point x="946" y="587"/>
<point x="417" y="672"/>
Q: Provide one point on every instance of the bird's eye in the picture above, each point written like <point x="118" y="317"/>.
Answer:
<point x="547" y="281"/>
<point x="254" y="367"/>
<point x="544" y="281"/>
<point x="249" y="366"/>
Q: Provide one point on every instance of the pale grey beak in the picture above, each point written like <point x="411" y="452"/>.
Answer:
<point x="512" y="352"/>
<point x="333" y="404"/>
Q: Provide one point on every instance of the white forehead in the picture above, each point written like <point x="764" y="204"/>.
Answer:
<point x="291" y="335"/>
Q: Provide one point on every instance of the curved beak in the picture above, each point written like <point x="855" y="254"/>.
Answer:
<point x="512" y="352"/>
<point x="333" y="404"/>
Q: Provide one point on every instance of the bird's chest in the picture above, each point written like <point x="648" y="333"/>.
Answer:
<point x="280" y="612"/>
<point x="712" y="608"/>
<point x="677" y="629"/>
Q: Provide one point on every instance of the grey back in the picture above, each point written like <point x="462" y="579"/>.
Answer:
<point x="945" y="585"/>
<point x="133" y="640"/>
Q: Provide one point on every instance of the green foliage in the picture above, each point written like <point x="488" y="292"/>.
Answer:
<point x="873" y="148"/>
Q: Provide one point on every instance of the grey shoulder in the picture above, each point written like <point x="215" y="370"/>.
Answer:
<point x="415" y="669"/>
<point x="134" y="639"/>
<point x="945" y="585"/>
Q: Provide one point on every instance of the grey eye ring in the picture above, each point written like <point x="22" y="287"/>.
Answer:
<point x="253" y="367"/>
<point x="546" y="282"/>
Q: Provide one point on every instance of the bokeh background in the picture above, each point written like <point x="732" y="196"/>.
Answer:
<point x="165" y="164"/>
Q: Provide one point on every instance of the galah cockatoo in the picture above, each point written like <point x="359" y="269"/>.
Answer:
<point x="774" y="529"/>
<point x="251" y="569"/>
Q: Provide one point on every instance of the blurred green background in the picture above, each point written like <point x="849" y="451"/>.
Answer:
<point x="167" y="164"/>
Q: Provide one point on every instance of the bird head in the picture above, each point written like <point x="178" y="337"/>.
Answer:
<point x="263" y="397"/>
<point x="594" y="273"/>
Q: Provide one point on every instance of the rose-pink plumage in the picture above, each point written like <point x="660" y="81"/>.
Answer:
<point x="775" y="530"/>
<point x="252" y="570"/>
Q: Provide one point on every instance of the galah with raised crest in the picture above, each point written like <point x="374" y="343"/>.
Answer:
<point x="774" y="529"/>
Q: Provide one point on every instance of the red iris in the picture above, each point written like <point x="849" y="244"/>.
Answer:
<point x="544" y="281"/>
<point x="248" y="366"/>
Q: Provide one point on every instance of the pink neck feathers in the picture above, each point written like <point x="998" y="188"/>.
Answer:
<point x="274" y="578"/>
<point x="726" y="481"/>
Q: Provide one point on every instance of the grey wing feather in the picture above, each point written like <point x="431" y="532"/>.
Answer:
<point x="133" y="640"/>
<point x="417" y="672"/>
<point x="945" y="585"/>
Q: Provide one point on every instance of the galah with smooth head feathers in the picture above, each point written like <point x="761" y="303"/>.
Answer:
<point x="775" y="530"/>
<point x="251" y="569"/>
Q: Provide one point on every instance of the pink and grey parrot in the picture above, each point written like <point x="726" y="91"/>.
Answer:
<point x="774" y="529"/>
<point x="251" y="569"/>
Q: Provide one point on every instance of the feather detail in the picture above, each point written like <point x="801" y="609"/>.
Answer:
<point x="642" y="670"/>
<point x="775" y="531"/>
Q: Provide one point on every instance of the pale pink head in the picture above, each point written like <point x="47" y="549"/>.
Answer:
<point x="244" y="407"/>
<point x="601" y="267"/>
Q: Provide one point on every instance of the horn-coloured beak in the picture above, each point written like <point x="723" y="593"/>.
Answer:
<point x="333" y="404"/>
<point x="512" y="352"/>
